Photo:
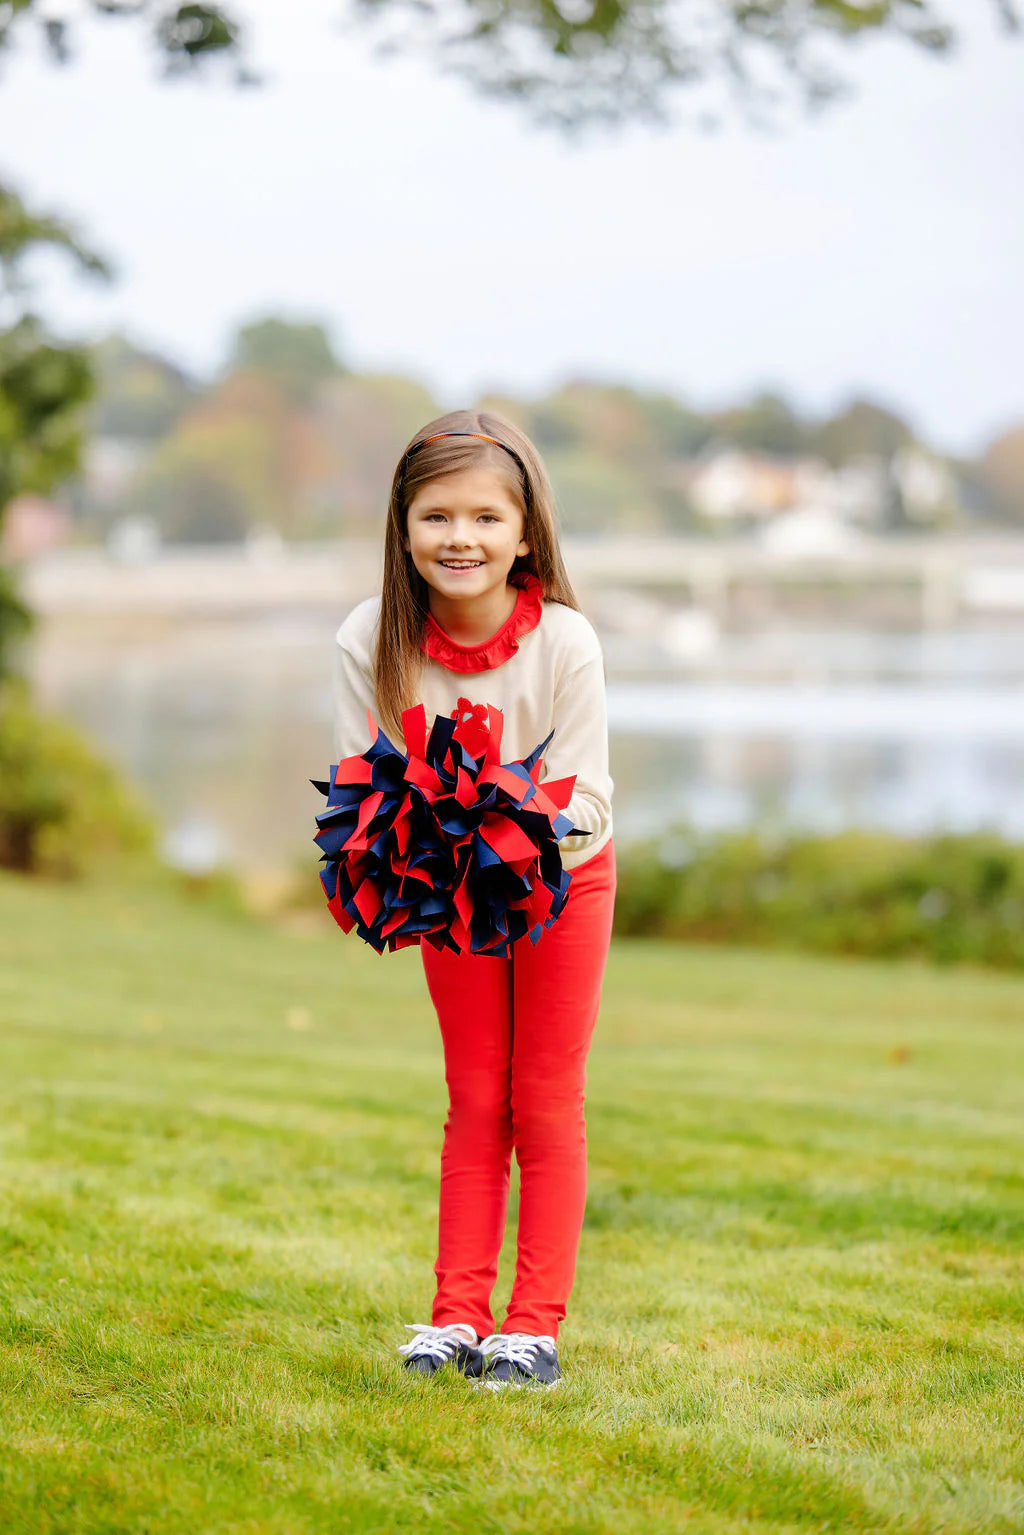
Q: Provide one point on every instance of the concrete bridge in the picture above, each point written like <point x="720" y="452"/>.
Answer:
<point x="939" y="577"/>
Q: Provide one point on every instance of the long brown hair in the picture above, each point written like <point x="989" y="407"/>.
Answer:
<point x="404" y="603"/>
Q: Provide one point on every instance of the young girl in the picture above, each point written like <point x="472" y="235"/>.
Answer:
<point x="477" y="609"/>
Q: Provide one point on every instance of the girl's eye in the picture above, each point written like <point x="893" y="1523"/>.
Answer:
<point x="485" y="516"/>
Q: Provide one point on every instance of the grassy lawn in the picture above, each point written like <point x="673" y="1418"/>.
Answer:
<point x="799" y="1303"/>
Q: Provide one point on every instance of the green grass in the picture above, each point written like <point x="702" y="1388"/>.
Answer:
<point x="799" y="1302"/>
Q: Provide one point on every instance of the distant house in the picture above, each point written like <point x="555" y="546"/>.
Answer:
<point x="862" y="490"/>
<point x="31" y="526"/>
<point x="110" y="465"/>
<point x="729" y="485"/>
<point x="927" y="486"/>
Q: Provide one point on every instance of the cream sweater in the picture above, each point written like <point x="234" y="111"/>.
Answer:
<point x="555" y="681"/>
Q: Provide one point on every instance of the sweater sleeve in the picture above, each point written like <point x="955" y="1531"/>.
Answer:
<point x="580" y="746"/>
<point x="353" y="695"/>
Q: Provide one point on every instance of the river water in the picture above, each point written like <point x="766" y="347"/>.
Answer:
<point x="222" y="724"/>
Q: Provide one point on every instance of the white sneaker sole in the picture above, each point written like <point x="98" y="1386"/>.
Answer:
<point x="516" y="1385"/>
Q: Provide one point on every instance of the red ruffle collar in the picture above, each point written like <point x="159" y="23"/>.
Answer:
<point x="502" y="646"/>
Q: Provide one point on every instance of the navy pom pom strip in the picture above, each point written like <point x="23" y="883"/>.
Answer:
<point x="444" y="843"/>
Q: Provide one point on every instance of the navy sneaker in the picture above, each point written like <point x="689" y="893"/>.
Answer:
<point x="520" y="1359"/>
<point x="434" y="1347"/>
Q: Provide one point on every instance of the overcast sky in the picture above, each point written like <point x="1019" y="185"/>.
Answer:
<point x="879" y="248"/>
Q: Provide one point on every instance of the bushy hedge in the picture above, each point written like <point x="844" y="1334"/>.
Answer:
<point x="948" y="898"/>
<point x="63" y="809"/>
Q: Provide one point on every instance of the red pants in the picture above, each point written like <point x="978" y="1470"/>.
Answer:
<point x="516" y="1033"/>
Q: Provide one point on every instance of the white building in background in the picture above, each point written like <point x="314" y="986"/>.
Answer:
<point x="728" y="486"/>
<point x="926" y="486"/>
<point x="861" y="490"/>
<point x="109" y="466"/>
<point x="719" y="487"/>
<point x="134" y="541"/>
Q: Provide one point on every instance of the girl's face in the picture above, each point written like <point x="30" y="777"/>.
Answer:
<point x="464" y="533"/>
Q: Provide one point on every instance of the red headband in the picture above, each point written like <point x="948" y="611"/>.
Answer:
<point x="484" y="437"/>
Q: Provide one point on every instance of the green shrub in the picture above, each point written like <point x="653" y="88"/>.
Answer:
<point x="62" y="808"/>
<point x="947" y="899"/>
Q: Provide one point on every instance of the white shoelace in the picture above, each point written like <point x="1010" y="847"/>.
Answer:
<point x="517" y="1347"/>
<point x="439" y="1342"/>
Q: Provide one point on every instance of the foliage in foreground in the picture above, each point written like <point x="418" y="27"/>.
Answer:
<point x="950" y="898"/>
<point x="798" y="1300"/>
<point x="608" y="62"/>
<point x="43" y="385"/>
<point x="63" y="809"/>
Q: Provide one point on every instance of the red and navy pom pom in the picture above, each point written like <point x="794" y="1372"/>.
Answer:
<point x="444" y="843"/>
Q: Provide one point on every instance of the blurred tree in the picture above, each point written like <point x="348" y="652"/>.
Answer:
<point x="613" y="450"/>
<point x="364" y="422"/>
<point x="139" y="394"/>
<point x="630" y="424"/>
<point x="15" y="620"/>
<point x="23" y="233"/>
<point x="1002" y="474"/>
<point x="242" y="458"/>
<point x="767" y="424"/>
<point x="42" y="389"/>
<point x="597" y="493"/>
<point x="582" y="412"/>
<point x="62" y="808"/>
<point x="43" y="386"/>
<point x="679" y="431"/>
<point x="192" y="498"/>
<point x="520" y="412"/>
<point x="861" y="429"/>
<point x="605" y="417"/>
<point x="297" y="356"/>
<point x="572" y="61"/>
